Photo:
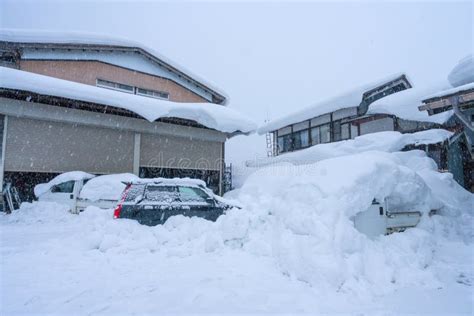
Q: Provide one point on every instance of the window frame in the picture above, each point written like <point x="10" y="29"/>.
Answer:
<point x="116" y="86"/>
<point x="137" y="92"/>
<point x="197" y="191"/>
<point x="62" y="185"/>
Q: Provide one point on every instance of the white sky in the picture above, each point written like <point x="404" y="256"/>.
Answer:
<point x="274" y="58"/>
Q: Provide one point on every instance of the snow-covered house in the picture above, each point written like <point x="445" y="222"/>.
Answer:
<point x="101" y="105"/>
<point x="352" y="114"/>
<point x="457" y="101"/>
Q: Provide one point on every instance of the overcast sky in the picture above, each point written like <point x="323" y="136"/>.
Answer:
<point x="274" y="58"/>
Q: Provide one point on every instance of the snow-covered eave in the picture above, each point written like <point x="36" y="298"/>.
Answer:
<point x="350" y="99"/>
<point x="405" y="105"/>
<point x="47" y="39"/>
<point x="210" y="115"/>
<point x="467" y="88"/>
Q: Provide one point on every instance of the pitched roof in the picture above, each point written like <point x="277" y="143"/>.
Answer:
<point x="404" y="104"/>
<point x="349" y="99"/>
<point x="93" y="40"/>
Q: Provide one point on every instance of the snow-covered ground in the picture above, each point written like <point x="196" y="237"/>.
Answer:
<point x="292" y="248"/>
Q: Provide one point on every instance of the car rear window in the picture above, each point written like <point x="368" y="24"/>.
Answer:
<point x="161" y="193"/>
<point x="135" y="192"/>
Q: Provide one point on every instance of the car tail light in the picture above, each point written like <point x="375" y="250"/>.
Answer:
<point x="118" y="209"/>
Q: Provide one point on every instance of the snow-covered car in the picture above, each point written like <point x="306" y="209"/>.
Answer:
<point x="378" y="220"/>
<point x="152" y="201"/>
<point x="79" y="190"/>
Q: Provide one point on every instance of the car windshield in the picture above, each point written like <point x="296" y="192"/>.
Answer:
<point x="161" y="194"/>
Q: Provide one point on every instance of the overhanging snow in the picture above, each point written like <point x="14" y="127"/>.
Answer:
<point x="404" y="104"/>
<point x="350" y="99"/>
<point x="210" y="115"/>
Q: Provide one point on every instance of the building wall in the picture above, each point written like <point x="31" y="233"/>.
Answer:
<point x="181" y="153"/>
<point x="377" y="125"/>
<point x="123" y="58"/>
<point x="43" y="140"/>
<point x="45" y="146"/>
<point x="88" y="72"/>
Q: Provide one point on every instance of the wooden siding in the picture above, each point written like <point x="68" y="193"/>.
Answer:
<point x="88" y="72"/>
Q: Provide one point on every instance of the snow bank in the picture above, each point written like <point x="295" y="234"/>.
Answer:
<point x="210" y="115"/>
<point x="383" y="141"/>
<point x="107" y="187"/>
<point x="303" y="212"/>
<point x="63" y="177"/>
<point x="350" y="99"/>
<point x="298" y="218"/>
<point x="404" y="104"/>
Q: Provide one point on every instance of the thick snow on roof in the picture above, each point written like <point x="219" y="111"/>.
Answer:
<point x="447" y="92"/>
<point x="42" y="188"/>
<point x="210" y="115"/>
<point x="383" y="141"/>
<point x="463" y="72"/>
<point x="172" y="181"/>
<point x="54" y="37"/>
<point x="404" y="104"/>
<point x="346" y="100"/>
<point x="106" y="187"/>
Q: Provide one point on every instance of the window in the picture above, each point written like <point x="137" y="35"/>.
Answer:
<point x="161" y="194"/>
<point x="131" y="89"/>
<point x="336" y="132"/>
<point x="315" y="136"/>
<point x="190" y="194"/>
<point x="325" y="133"/>
<point x="284" y="143"/>
<point x="304" y="136"/>
<point x="134" y="193"/>
<point x="153" y="93"/>
<point x="300" y="139"/>
<point x="115" y="86"/>
<point x="320" y="134"/>
<point x="65" y="187"/>
<point x="345" y="131"/>
<point x="280" y="144"/>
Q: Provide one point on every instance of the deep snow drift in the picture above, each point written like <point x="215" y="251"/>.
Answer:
<point x="291" y="248"/>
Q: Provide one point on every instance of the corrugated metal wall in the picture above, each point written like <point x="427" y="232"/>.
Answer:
<point x="42" y="146"/>
<point x="45" y="146"/>
<point x="178" y="152"/>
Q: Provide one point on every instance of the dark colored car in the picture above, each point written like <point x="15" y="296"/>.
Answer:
<point x="153" y="201"/>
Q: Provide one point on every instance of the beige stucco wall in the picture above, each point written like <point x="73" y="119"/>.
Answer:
<point x="87" y="72"/>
